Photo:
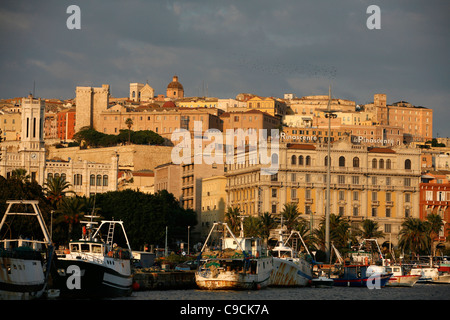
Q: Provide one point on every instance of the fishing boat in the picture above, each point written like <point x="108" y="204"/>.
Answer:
<point x="361" y="276"/>
<point x="289" y="267"/>
<point x="235" y="263"/>
<point x="322" y="281"/>
<point x="24" y="263"/>
<point x="95" y="267"/>
<point x="401" y="278"/>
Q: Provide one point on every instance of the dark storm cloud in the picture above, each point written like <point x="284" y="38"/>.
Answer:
<point x="257" y="46"/>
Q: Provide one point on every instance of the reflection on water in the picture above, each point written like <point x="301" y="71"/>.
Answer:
<point x="417" y="292"/>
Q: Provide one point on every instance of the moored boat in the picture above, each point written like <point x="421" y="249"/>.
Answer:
<point x="289" y="267"/>
<point x="401" y="278"/>
<point x="24" y="263"/>
<point x="93" y="267"/>
<point x="361" y="276"/>
<point x="238" y="263"/>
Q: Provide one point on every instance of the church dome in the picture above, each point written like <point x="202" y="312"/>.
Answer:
<point x="175" y="84"/>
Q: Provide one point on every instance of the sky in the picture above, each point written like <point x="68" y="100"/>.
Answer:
<point x="223" y="48"/>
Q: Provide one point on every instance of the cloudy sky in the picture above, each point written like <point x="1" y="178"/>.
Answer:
<point x="229" y="47"/>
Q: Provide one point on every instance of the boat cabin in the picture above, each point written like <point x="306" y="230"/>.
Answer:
<point x="250" y="245"/>
<point x="87" y="247"/>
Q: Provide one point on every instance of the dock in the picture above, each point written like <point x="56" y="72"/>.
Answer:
<point x="163" y="280"/>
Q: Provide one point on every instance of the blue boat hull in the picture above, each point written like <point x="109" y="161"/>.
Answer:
<point x="362" y="282"/>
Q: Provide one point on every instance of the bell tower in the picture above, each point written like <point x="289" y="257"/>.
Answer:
<point x="32" y="148"/>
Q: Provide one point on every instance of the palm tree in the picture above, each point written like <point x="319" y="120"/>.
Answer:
<point x="129" y="123"/>
<point x="232" y="218"/>
<point x="252" y="227"/>
<point x="21" y="174"/>
<point x="414" y="237"/>
<point x="370" y="230"/>
<point x="435" y="224"/>
<point x="267" y="222"/>
<point x="70" y="211"/>
<point x="290" y="216"/>
<point x="56" y="188"/>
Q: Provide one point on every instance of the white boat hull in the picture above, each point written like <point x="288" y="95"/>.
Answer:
<point x="295" y="273"/>
<point x="403" y="281"/>
<point x="21" y="279"/>
<point x="221" y="279"/>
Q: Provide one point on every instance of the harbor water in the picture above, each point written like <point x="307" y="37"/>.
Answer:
<point x="417" y="292"/>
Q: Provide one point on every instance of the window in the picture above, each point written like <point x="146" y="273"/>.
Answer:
<point x="293" y="193"/>
<point x="105" y="180"/>
<point x="274" y="193"/>
<point x="308" y="194"/>
<point x="92" y="180"/>
<point x="440" y="196"/>
<point x="388" y="164"/>
<point x="326" y="161"/>
<point x="341" y="195"/>
<point x="374" y="196"/>
<point x="274" y="208"/>
<point x="355" y="162"/>
<point x="374" y="181"/>
<point x="308" y="160"/>
<point x="99" y="180"/>
<point x="407" y="182"/>
<point x="381" y="164"/>
<point x="387" y="228"/>
<point x="341" y="179"/>
<point x="355" y="211"/>
<point x="341" y="211"/>
<point x="407" y="212"/>
<point x="341" y="161"/>
<point x="388" y="196"/>
<point x="293" y="177"/>
<point x="355" y="180"/>
<point x="388" y="181"/>
<point x="374" y="211"/>
<point x="374" y="163"/>
<point x="300" y="160"/>
<point x="355" y="195"/>
<point x="308" y="177"/>
<point x="274" y="177"/>
<point x="388" y="212"/>
<point x="407" y="164"/>
<point x="429" y="195"/>
<point x="293" y="159"/>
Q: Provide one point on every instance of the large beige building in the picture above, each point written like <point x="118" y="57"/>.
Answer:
<point x="366" y="182"/>
<point x="90" y="103"/>
<point x="214" y="202"/>
<point x="29" y="153"/>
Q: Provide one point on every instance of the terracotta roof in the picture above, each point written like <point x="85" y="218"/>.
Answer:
<point x="380" y="150"/>
<point x="299" y="146"/>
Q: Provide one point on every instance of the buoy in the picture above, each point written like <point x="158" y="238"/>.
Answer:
<point x="135" y="286"/>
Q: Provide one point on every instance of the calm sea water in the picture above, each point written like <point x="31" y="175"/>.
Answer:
<point x="417" y="292"/>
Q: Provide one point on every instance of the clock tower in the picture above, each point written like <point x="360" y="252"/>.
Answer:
<point x="32" y="149"/>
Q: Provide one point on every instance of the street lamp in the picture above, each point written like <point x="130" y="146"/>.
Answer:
<point x="189" y="229"/>
<point x="330" y="114"/>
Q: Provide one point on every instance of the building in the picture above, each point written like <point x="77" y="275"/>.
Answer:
<point x="366" y="182"/>
<point x="90" y="103"/>
<point x="272" y="106"/>
<point x="141" y="92"/>
<point x="214" y="203"/>
<point x="435" y="199"/>
<point x="175" y="89"/>
<point x="29" y="153"/>
<point x="10" y="125"/>
<point x="65" y="122"/>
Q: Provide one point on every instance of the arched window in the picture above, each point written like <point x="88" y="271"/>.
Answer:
<point x="388" y="164"/>
<point x="381" y="164"/>
<point x="308" y="160"/>
<point x="407" y="164"/>
<point x="300" y="160"/>
<point x="99" y="180"/>
<point x="63" y="176"/>
<point x="293" y="159"/>
<point x="355" y="162"/>
<point x="49" y="175"/>
<point x="105" y="180"/>
<point x="341" y="161"/>
<point x="326" y="161"/>
<point x="92" y="180"/>
<point x="374" y="163"/>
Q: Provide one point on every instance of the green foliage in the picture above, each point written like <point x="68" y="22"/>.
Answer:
<point x="93" y="138"/>
<point x="146" y="216"/>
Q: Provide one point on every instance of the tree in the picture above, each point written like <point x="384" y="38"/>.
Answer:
<point x="413" y="237"/>
<point x="290" y="216"/>
<point x="70" y="211"/>
<point x="129" y="123"/>
<point x="370" y="230"/>
<point x="252" y="227"/>
<point x="434" y="224"/>
<point x="232" y="218"/>
<point x="21" y="174"/>
<point x="267" y="223"/>
<point x="55" y="189"/>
